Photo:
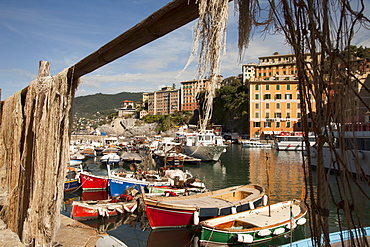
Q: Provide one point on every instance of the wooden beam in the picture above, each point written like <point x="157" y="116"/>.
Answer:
<point x="172" y="16"/>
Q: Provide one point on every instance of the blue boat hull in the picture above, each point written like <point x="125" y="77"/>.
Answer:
<point x="117" y="187"/>
<point x="71" y="185"/>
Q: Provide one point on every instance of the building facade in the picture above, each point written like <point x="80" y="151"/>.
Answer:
<point x="274" y="97"/>
<point x="190" y="89"/>
<point x="163" y="102"/>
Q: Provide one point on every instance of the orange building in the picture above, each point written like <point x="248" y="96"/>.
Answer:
<point x="189" y="90"/>
<point x="274" y="97"/>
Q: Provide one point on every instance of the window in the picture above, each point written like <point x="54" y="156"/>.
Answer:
<point x="267" y="87"/>
<point x="277" y="124"/>
<point x="288" y="87"/>
<point x="256" y="124"/>
<point x="256" y="106"/>
<point x="288" y="96"/>
<point x="267" y="105"/>
<point x="267" y="115"/>
<point x="255" y="87"/>
<point x="267" y="124"/>
<point x="309" y="124"/>
<point x="267" y="96"/>
<point x="298" y="115"/>
<point x="288" y="115"/>
<point x="277" y="87"/>
<point x="277" y="105"/>
<point x="298" y="105"/>
<point x="256" y="96"/>
<point x="287" y="105"/>
<point x="278" y="96"/>
<point x="299" y="124"/>
<point x="288" y="124"/>
<point x="256" y="115"/>
<point x="298" y="96"/>
<point x="277" y="115"/>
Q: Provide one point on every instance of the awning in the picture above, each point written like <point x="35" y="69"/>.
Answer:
<point x="268" y="132"/>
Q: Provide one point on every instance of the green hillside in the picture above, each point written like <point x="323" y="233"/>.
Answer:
<point x="105" y="104"/>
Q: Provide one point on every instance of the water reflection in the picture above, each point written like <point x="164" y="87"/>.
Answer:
<point x="236" y="167"/>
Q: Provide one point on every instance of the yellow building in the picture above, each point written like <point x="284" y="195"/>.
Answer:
<point x="274" y="98"/>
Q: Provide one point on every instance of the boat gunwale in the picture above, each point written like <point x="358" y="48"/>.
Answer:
<point x="170" y="202"/>
<point x="302" y="213"/>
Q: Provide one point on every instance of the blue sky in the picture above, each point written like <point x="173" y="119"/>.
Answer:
<point x="63" y="32"/>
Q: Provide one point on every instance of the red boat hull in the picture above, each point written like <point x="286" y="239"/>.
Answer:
<point x="92" y="182"/>
<point x="169" y="218"/>
<point x="85" y="213"/>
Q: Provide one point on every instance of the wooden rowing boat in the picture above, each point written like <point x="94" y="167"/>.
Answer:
<point x="253" y="226"/>
<point x="182" y="211"/>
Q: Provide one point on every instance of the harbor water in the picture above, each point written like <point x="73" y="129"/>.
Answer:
<point x="280" y="172"/>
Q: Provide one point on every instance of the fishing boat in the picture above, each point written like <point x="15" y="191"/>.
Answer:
<point x="90" y="210"/>
<point x="90" y="181"/>
<point x="71" y="181"/>
<point x="119" y="181"/>
<point x="254" y="226"/>
<point x="204" y="145"/>
<point x="183" y="211"/>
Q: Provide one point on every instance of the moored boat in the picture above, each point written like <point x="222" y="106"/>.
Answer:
<point x="359" y="234"/>
<point x="204" y="145"/>
<point x="119" y="181"/>
<point x="90" y="181"/>
<point x="292" y="143"/>
<point x="89" y="210"/>
<point x="351" y="154"/>
<point x="255" y="144"/>
<point x="71" y="181"/>
<point x="254" y="226"/>
<point x="183" y="211"/>
<point x="130" y="157"/>
<point x="110" y="158"/>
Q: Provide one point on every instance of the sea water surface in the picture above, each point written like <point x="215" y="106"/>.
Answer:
<point x="280" y="172"/>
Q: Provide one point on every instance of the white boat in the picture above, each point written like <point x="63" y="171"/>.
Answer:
<point x="110" y="158"/>
<point x="76" y="159"/>
<point x="255" y="144"/>
<point x="204" y="145"/>
<point x="355" y="154"/>
<point x="292" y="143"/>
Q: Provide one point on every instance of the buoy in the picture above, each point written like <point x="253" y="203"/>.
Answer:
<point x="245" y="238"/>
<point x="233" y="210"/>
<point x="264" y="200"/>
<point x="301" y="221"/>
<point x="278" y="231"/>
<point x="126" y="197"/>
<point x="196" y="217"/>
<point x="264" y="232"/>
<point x="291" y="225"/>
